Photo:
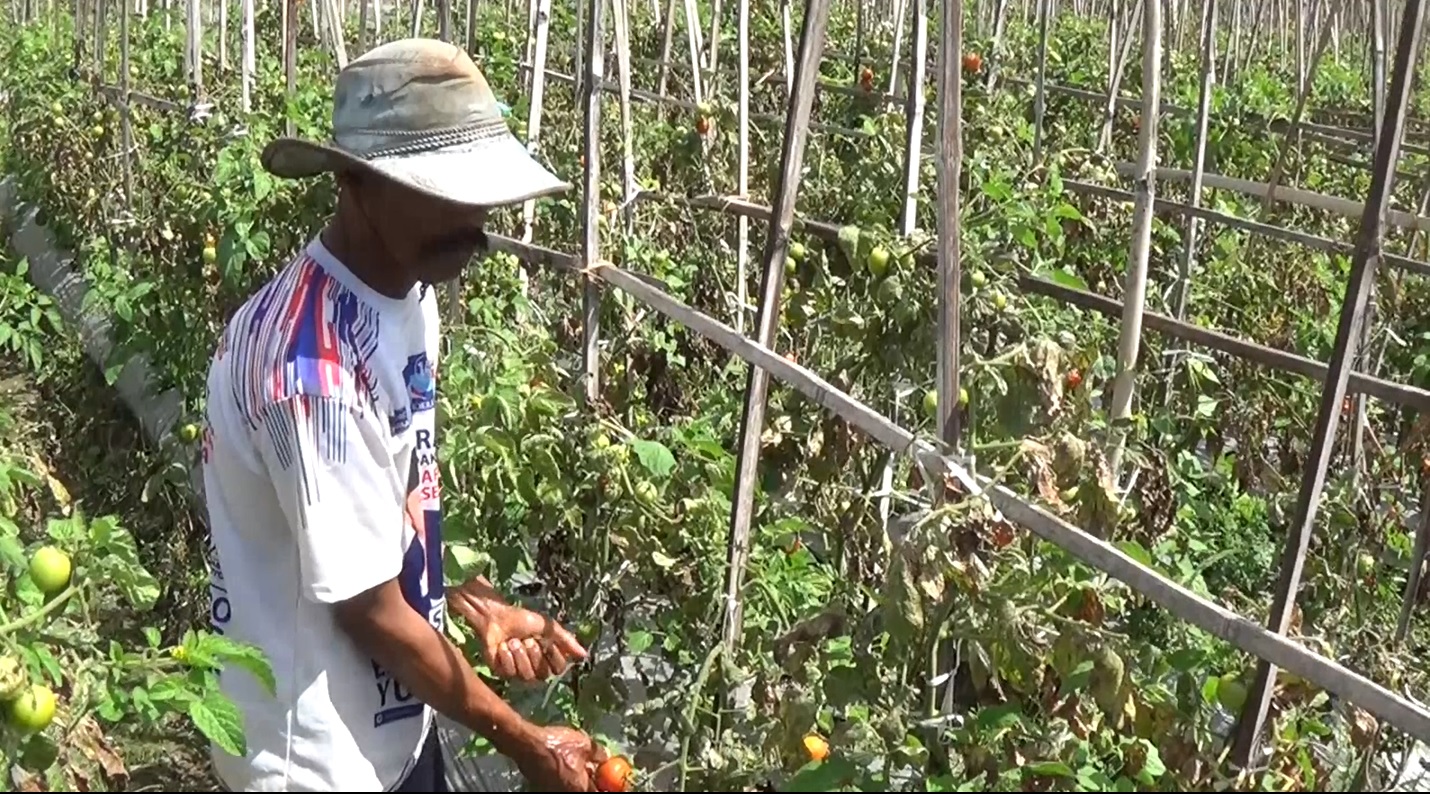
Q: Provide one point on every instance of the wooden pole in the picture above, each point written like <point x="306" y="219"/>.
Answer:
<point x="1129" y="340"/>
<point x="948" y="166"/>
<point x="816" y="19"/>
<point x="591" y="231"/>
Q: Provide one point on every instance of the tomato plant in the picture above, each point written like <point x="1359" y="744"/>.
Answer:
<point x="890" y="639"/>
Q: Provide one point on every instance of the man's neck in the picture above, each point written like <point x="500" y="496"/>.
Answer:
<point x="366" y="258"/>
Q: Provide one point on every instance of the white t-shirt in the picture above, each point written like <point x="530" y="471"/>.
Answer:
<point x="320" y="471"/>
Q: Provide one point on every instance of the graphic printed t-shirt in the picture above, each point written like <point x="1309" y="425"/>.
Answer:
<point x="320" y="471"/>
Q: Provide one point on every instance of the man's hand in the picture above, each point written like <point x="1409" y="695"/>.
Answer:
<point x="564" y="759"/>
<point x="518" y="642"/>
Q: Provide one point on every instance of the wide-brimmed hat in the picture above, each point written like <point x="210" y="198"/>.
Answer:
<point x="419" y="112"/>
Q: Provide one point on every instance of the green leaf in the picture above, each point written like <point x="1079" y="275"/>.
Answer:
<point x="639" y="641"/>
<point x="1063" y="277"/>
<point x="1152" y="768"/>
<point x="654" y="455"/>
<point x="218" y="719"/>
<point x="1050" y="769"/>
<point x="1002" y="716"/>
<point x="1136" y="551"/>
<point x="239" y="654"/>
<point x="829" y="775"/>
<point x="1186" y="659"/>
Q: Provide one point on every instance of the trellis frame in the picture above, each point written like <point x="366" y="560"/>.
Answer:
<point x="1273" y="649"/>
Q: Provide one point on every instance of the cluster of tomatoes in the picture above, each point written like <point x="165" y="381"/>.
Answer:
<point x="30" y="708"/>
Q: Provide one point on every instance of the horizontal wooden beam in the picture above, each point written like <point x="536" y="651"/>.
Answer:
<point x="1226" y="343"/>
<point x="1255" y="227"/>
<point x="1306" y="198"/>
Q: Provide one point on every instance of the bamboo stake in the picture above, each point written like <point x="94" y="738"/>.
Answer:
<point x="340" y="50"/>
<point x="1000" y="26"/>
<point x="628" y="161"/>
<point x="537" y="93"/>
<point x="714" y="38"/>
<point x="223" y="35"/>
<point x="948" y="166"/>
<point x="1135" y="12"/>
<point x="1302" y="97"/>
<point x="914" y="120"/>
<point x="788" y="23"/>
<point x="591" y="231"/>
<point x="290" y="56"/>
<point x="1135" y="292"/>
<point x="1204" y="101"/>
<point x="692" y="34"/>
<point x="364" y="9"/>
<point x="1377" y="71"/>
<point x="900" y="9"/>
<point x="1362" y="276"/>
<point x="249" y="67"/>
<point x="667" y="43"/>
<point x="742" y="184"/>
<point x="816" y="18"/>
<point x="126" y="115"/>
<point x="1039" y="103"/>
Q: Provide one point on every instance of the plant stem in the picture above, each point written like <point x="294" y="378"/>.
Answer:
<point x="700" y="679"/>
<point x="33" y="617"/>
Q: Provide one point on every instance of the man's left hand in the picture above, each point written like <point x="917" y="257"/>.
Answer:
<point x="519" y="643"/>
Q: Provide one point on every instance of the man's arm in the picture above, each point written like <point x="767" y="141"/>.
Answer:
<point x="331" y="467"/>
<point x="427" y="663"/>
<point x="332" y="471"/>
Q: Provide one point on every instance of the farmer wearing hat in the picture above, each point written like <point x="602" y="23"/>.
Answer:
<point x="320" y="458"/>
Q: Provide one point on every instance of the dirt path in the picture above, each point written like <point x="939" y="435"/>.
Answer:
<point x="67" y="422"/>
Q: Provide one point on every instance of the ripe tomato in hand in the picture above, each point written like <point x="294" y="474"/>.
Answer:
<point x="614" y="774"/>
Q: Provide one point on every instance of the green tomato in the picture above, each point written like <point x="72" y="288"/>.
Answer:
<point x="878" y="261"/>
<point x="50" y="570"/>
<point x="797" y="251"/>
<point x="646" y="492"/>
<point x="930" y="404"/>
<point x="33" y="710"/>
<point x="977" y="278"/>
<point x="1231" y="693"/>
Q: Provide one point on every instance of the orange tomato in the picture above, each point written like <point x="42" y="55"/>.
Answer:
<point x="702" y="125"/>
<point x="972" y="62"/>
<point x="1073" y="380"/>
<point x="816" y="746"/>
<point x="614" y="774"/>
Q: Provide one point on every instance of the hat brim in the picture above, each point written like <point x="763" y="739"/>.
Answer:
<point x="492" y="172"/>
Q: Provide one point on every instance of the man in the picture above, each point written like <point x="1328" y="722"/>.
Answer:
<point x="320" y="463"/>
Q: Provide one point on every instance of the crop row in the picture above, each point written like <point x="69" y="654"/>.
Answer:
<point x="858" y="628"/>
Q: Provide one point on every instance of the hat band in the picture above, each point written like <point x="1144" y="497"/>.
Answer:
<point x="424" y="140"/>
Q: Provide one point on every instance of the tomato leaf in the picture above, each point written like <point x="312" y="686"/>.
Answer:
<point x="219" y="720"/>
<point x="830" y="775"/>
<point x="654" y="455"/>
<point x="238" y="654"/>
<point x="1050" y="769"/>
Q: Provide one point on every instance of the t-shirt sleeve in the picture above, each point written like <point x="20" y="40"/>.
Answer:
<point x="330" y="466"/>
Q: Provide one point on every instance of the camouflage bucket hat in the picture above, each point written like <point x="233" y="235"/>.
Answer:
<point x="419" y="112"/>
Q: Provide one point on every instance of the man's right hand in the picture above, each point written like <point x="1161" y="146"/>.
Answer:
<point x="562" y="759"/>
